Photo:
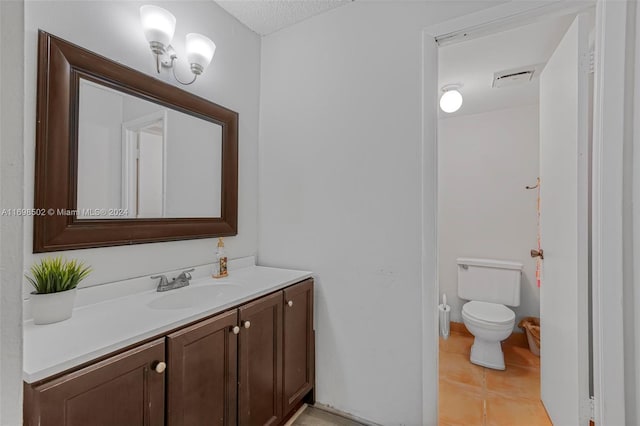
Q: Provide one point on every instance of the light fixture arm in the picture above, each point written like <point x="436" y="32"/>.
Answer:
<point x="167" y="60"/>
<point x="195" y="76"/>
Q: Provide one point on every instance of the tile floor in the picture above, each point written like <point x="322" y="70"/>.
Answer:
<point x="471" y="395"/>
<point x="474" y="395"/>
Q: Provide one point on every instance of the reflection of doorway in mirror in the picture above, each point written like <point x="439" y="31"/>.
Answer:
<point x="143" y="180"/>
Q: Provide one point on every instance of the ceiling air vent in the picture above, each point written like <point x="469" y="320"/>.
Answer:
<point x="516" y="76"/>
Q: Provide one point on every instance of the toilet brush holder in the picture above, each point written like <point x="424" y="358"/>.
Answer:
<point x="445" y="321"/>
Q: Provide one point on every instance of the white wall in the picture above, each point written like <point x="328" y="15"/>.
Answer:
<point x="11" y="179"/>
<point x="112" y="29"/>
<point x="150" y="174"/>
<point x="484" y="163"/>
<point x="340" y="194"/>
<point x="99" y="148"/>
<point x="194" y="167"/>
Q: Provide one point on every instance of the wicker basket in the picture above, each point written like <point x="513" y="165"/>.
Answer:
<point x="531" y="326"/>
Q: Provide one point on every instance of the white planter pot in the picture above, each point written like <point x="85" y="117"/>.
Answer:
<point x="52" y="307"/>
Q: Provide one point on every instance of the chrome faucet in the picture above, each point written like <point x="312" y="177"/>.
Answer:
<point x="181" y="280"/>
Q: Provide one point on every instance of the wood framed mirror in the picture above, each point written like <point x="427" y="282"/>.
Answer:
<point x="124" y="158"/>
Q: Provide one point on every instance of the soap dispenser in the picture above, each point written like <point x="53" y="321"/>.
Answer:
<point x="220" y="266"/>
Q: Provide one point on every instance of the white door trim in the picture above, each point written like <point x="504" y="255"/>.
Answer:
<point x="607" y="230"/>
<point x="503" y="17"/>
<point x="130" y="131"/>
<point x="429" y="255"/>
<point x="608" y="351"/>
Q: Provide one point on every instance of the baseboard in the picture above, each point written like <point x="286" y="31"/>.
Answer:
<point x="296" y="414"/>
<point x="348" y="416"/>
<point x="516" y="339"/>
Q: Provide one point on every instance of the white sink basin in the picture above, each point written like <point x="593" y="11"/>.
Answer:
<point x="190" y="297"/>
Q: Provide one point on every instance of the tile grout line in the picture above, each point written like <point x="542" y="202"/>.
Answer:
<point x="484" y="396"/>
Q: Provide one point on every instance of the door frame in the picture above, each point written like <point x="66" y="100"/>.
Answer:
<point x="130" y="152"/>
<point x="607" y="197"/>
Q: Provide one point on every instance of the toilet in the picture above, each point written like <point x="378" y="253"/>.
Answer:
<point x="489" y="286"/>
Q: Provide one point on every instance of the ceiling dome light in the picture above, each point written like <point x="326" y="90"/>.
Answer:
<point x="451" y="100"/>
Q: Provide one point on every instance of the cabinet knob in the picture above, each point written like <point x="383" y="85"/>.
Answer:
<point x="160" y="367"/>
<point x="235" y="329"/>
<point x="290" y="303"/>
<point x="246" y="324"/>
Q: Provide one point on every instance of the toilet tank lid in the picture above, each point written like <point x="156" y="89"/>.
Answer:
<point x="489" y="263"/>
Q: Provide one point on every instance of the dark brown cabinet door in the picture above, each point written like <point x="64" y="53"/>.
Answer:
<point x="260" y="362"/>
<point x="202" y="373"/>
<point x="298" y="344"/>
<point x="124" y="390"/>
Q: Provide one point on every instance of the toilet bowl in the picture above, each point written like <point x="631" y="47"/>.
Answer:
<point x="490" y="324"/>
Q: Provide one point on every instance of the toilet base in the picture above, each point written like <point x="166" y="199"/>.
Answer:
<point x="487" y="354"/>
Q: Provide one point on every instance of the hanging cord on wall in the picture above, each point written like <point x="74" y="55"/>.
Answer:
<point x="539" y="252"/>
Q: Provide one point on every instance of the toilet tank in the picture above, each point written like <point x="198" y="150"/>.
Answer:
<point x="489" y="280"/>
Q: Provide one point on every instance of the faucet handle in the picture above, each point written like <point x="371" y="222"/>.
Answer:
<point x="187" y="274"/>
<point x="163" y="280"/>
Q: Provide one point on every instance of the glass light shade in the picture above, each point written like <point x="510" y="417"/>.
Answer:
<point x="451" y="101"/>
<point x="158" y="24"/>
<point x="200" y="50"/>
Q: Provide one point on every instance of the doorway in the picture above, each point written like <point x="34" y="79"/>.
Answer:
<point x="508" y="132"/>
<point x="144" y="165"/>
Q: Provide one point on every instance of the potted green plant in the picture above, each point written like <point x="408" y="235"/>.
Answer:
<point x="55" y="281"/>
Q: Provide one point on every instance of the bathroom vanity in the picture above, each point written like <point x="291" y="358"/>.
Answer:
<point x="238" y="350"/>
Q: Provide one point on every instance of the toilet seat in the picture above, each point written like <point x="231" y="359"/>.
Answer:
<point x="488" y="313"/>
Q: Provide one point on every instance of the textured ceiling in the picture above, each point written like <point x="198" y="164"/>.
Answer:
<point x="267" y="16"/>
<point x="473" y="63"/>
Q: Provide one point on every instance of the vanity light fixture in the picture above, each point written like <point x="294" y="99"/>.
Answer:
<point x="451" y="99"/>
<point x="159" y="26"/>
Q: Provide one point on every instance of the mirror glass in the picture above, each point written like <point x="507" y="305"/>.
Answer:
<point x="139" y="159"/>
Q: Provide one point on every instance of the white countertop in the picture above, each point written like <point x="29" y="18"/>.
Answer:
<point x="98" y="329"/>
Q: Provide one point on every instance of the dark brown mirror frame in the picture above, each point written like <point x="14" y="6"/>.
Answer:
<point x="60" y="66"/>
